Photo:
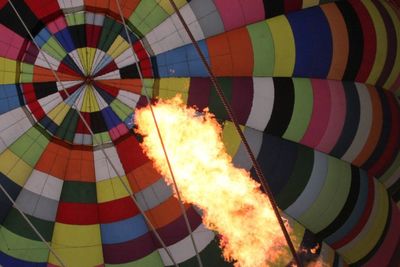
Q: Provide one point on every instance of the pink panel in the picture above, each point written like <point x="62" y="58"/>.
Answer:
<point x="336" y="117"/>
<point x="320" y="114"/>
<point x="57" y="25"/>
<point x="10" y="43"/>
<point x="384" y="254"/>
<point x="237" y="13"/>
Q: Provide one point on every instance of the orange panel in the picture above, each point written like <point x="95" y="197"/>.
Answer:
<point x="54" y="160"/>
<point x="220" y="55"/>
<point x="80" y="166"/>
<point x="46" y="75"/>
<point x="97" y="5"/>
<point x="130" y="85"/>
<point x="242" y="52"/>
<point x="127" y="6"/>
<point x="340" y="41"/>
<point x="165" y="213"/>
<point x="142" y="177"/>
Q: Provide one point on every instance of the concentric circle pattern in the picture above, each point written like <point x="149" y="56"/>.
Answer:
<point x="315" y="86"/>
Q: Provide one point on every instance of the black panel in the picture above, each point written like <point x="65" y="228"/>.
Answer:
<point x="9" y="19"/>
<point x="78" y="33"/>
<point x="283" y="106"/>
<point x="274" y="8"/>
<point x="356" y="40"/>
<point x="13" y="190"/>
<point x="45" y="89"/>
<point x="97" y="122"/>
<point x="129" y="71"/>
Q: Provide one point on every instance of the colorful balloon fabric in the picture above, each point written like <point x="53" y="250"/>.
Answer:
<point x="315" y="86"/>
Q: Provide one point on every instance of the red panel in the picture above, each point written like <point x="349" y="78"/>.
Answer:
<point x="93" y="33"/>
<point x="81" y="127"/>
<point x="77" y="213"/>
<point x="123" y="208"/>
<point x="45" y="10"/>
<point x="108" y="68"/>
<point x="369" y="40"/>
<point x="130" y="154"/>
<point x="292" y="5"/>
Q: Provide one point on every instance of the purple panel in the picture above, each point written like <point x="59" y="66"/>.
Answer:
<point x="242" y="98"/>
<point x="199" y="92"/>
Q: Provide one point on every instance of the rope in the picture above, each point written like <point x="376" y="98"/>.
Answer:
<point x="229" y="110"/>
<point x="95" y="137"/>
<point x="162" y="143"/>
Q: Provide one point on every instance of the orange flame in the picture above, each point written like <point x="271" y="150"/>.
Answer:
<point x="232" y="202"/>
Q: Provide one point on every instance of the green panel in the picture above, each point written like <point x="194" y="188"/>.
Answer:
<point x="54" y="49"/>
<point x="302" y="110"/>
<point x="16" y="224"/>
<point x="211" y="256"/>
<point x="110" y="30"/>
<point x="76" y="18"/>
<point x="29" y="146"/>
<point x="153" y="260"/>
<point x="26" y="73"/>
<point x="122" y="110"/>
<point x="22" y="248"/>
<point x="148" y="87"/>
<point x="67" y="128"/>
<point x="101" y="138"/>
<point x="331" y="198"/>
<point x="263" y="47"/>
<point x="147" y="15"/>
<point x="299" y="178"/>
<point x="215" y="103"/>
<point x="78" y="192"/>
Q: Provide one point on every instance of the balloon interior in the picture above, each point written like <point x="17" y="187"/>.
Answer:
<point x="314" y="85"/>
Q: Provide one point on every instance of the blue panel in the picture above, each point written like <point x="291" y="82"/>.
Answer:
<point x="111" y="119"/>
<point x="65" y="39"/>
<point x="13" y="190"/>
<point x="106" y="59"/>
<point x="8" y="98"/>
<point x="182" y="62"/>
<point x="8" y="261"/>
<point x="49" y="125"/>
<point x="122" y="231"/>
<point x="43" y="36"/>
<point x="313" y="42"/>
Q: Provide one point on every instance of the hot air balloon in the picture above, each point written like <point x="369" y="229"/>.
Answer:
<point x="315" y="86"/>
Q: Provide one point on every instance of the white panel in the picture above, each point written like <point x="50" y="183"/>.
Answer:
<point x="364" y="127"/>
<point x="125" y="59"/>
<point x="70" y="3"/>
<point x="12" y="125"/>
<point x="103" y="168"/>
<point x="67" y="84"/>
<point x="44" y="184"/>
<point x="128" y="98"/>
<point x="49" y="102"/>
<point x="263" y="102"/>
<point x="102" y="103"/>
<point x="99" y="55"/>
<point x="183" y="250"/>
<point x="75" y="56"/>
<point x="41" y="61"/>
<point x="109" y="76"/>
<point x="170" y="33"/>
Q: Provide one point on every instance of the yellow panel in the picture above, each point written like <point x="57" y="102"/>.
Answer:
<point x="77" y="245"/>
<point x="166" y="5"/>
<point x="58" y="113"/>
<point x="14" y="167"/>
<point x="118" y="47"/>
<point x="310" y="3"/>
<point x="169" y="87"/>
<point x="285" y="52"/>
<point x="231" y="138"/>
<point x="111" y="189"/>
<point x="7" y="71"/>
<point x="396" y="68"/>
<point x="91" y="53"/>
<point x="381" y="44"/>
<point x="89" y="103"/>
<point x="83" y="59"/>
